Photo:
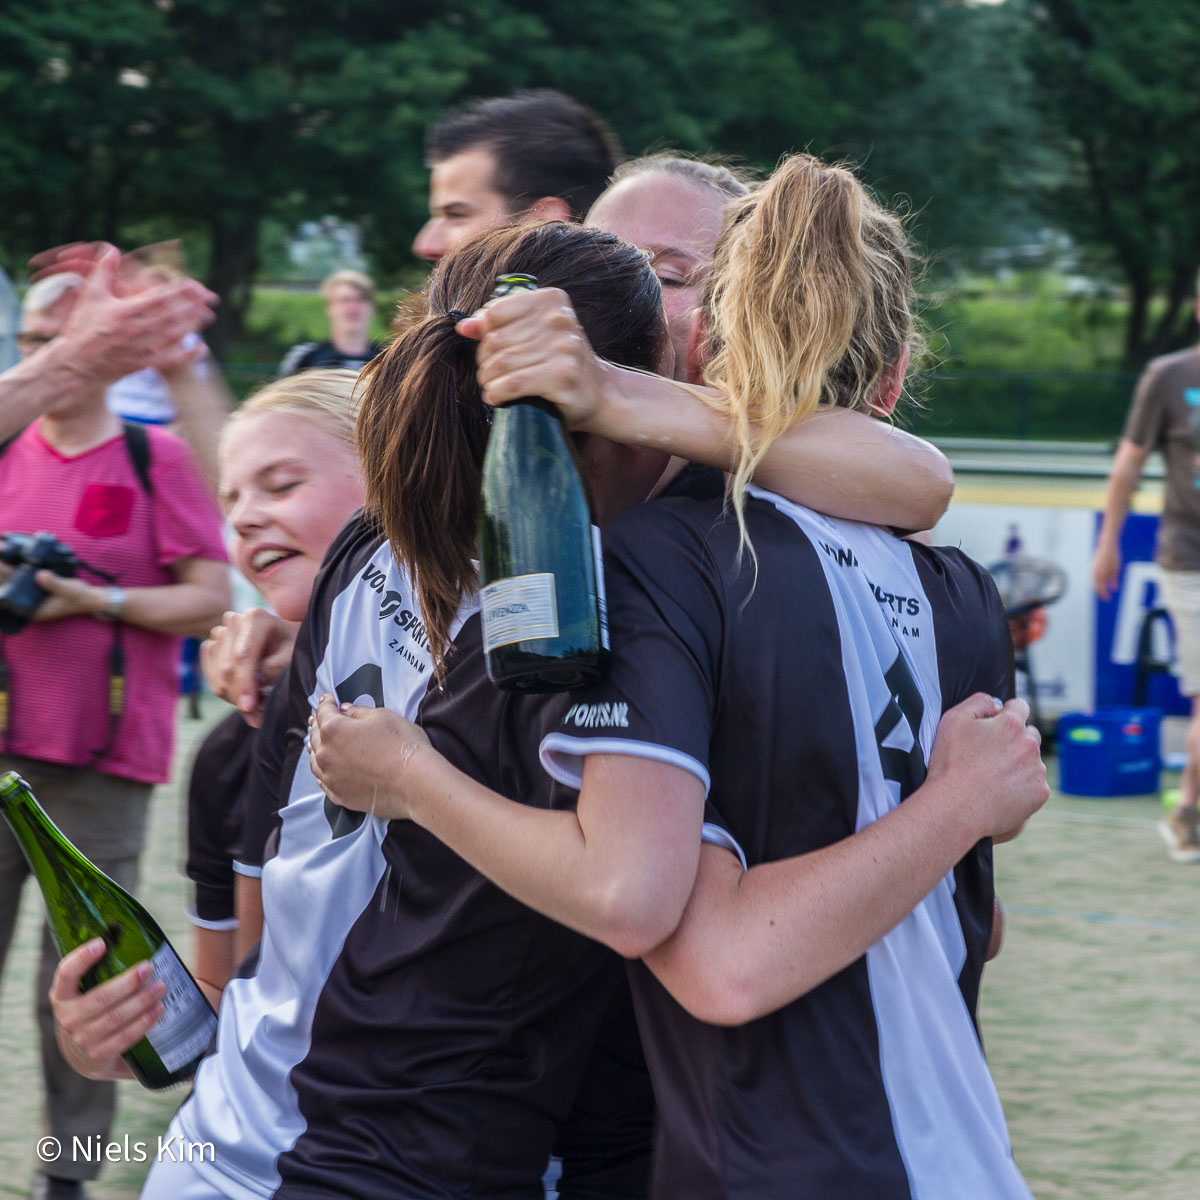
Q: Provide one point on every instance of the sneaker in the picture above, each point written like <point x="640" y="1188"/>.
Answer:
<point x="1181" y="831"/>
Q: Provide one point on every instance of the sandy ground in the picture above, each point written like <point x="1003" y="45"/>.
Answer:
<point x="1090" y="1015"/>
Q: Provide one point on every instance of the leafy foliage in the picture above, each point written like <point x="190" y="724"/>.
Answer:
<point x="1116" y="83"/>
<point x="212" y="119"/>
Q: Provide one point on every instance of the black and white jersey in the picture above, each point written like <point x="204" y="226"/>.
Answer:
<point x="216" y="787"/>
<point x="804" y="689"/>
<point x="268" y="783"/>
<point x="411" y="1031"/>
<point x="311" y="356"/>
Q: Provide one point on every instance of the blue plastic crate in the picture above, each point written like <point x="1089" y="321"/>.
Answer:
<point x="1109" y="752"/>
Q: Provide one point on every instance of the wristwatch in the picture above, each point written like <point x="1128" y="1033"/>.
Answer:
<point x="116" y="602"/>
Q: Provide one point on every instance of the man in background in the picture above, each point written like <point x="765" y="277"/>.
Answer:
<point x="139" y="515"/>
<point x="535" y="155"/>
<point x="1165" y="416"/>
<point x="119" y="324"/>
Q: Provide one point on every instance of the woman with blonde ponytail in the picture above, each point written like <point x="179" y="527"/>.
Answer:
<point x="827" y="321"/>
<point x="811" y="948"/>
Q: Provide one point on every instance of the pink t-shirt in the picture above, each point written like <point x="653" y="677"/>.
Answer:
<point x="59" y="671"/>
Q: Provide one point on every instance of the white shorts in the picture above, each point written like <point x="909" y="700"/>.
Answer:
<point x="1181" y="598"/>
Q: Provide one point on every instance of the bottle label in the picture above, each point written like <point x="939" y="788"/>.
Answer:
<point x="518" y="609"/>
<point x="601" y="597"/>
<point x="186" y="1026"/>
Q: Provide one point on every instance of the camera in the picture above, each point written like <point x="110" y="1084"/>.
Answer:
<point x="30" y="553"/>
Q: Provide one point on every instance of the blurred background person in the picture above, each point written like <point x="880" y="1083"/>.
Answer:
<point x="183" y="389"/>
<point x="141" y="519"/>
<point x="146" y="396"/>
<point x="349" y="304"/>
<point x="116" y="326"/>
<point x="1165" y="416"/>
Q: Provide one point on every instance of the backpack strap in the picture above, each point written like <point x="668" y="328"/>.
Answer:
<point x="137" y="443"/>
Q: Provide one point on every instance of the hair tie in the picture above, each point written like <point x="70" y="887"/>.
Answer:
<point x="457" y="316"/>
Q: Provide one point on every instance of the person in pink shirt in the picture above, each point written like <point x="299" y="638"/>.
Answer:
<point x="144" y="527"/>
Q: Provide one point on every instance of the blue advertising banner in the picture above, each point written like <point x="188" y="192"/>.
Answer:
<point x="1119" y="622"/>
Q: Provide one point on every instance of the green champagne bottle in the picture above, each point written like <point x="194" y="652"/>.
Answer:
<point x="540" y="569"/>
<point x="83" y="903"/>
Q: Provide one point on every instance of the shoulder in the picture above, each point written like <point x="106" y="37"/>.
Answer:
<point x="698" y="482"/>
<point x="166" y="446"/>
<point x="353" y="546"/>
<point x="669" y="539"/>
<point x="1181" y="363"/>
<point x="298" y="356"/>
<point x="224" y="756"/>
<point x="961" y="589"/>
<point x="955" y="565"/>
<point x="673" y="566"/>
<point x="676" y="522"/>
<point x="26" y="442"/>
<point x="969" y="623"/>
<point x="346" y="564"/>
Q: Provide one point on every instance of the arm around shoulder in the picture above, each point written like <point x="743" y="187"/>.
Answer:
<point x="846" y="464"/>
<point x="851" y="465"/>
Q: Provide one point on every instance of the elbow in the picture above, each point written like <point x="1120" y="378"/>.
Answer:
<point x="729" y="984"/>
<point x="717" y="993"/>
<point x="720" y="1005"/>
<point x="941" y="488"/>
<point x="217" y="602"/>
<point x="196" y="630"/>
<point x="633" y="920"/>
<point x="199" y="627"/>
<point x="730" y="999"/>
<point x="635" y="935"/>
<point x="936" y="494"/>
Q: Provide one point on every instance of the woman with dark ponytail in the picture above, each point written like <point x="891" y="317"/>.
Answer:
<point x="812" y="947"/>
<point x="423" y="428"/>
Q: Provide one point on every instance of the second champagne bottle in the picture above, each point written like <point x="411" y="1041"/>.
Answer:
<point x="83" y="903"/>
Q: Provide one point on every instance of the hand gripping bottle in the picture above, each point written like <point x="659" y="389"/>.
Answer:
<point x="83" y="903"/>
<point x="540" y="568"/>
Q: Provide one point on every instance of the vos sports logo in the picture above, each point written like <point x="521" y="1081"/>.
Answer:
<point x="392" y="604"/>
<point x="598" y="716"/>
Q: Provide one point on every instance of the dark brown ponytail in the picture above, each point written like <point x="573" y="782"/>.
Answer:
<point x="421" y="451"/>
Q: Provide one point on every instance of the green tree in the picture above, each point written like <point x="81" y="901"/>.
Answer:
<point x="211" y="118"/>
<point x="960" y="138"/>
<point x="205" y="115"/>
<point x="74" y="138"/>
<point x="1116" y="83"/>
